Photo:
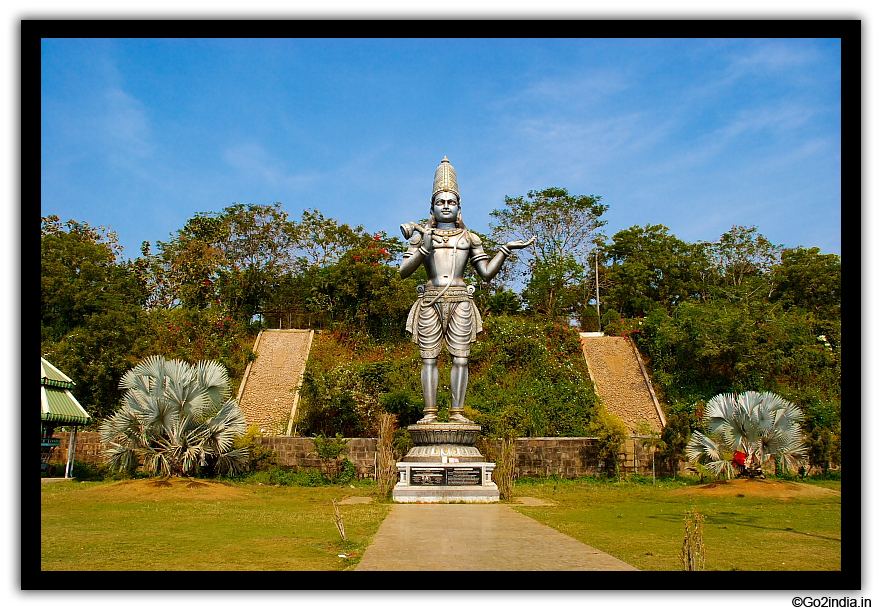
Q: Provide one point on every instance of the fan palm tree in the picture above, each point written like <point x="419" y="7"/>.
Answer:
<point x="759" y="425"/>
<point x="175" y="417"/>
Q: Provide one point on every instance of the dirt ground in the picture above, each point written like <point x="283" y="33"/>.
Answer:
<point x="758" y="488"/>
<point x="173" y="489"/>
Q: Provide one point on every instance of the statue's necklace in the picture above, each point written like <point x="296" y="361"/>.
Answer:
<point x="446" y="234"/>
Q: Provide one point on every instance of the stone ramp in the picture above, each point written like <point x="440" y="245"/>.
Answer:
<point x="268" y="394"/>
<point x="460" y="537"/>
<point x="621" y="380"/>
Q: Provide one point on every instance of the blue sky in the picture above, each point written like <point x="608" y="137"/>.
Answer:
<point x="697" y="135"/>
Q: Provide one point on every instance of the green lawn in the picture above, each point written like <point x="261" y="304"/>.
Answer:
<point x="129" y="526"/>
<point x="797" y="529"/>
<point x="132" y="526"/>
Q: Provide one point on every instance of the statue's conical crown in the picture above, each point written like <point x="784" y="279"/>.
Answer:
<point x="445" y="179"/>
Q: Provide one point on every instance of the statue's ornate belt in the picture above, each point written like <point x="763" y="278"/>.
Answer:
<point x="452" y="294"/>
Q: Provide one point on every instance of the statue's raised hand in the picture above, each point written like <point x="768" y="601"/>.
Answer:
<point x="428" y="239"/>
<point x="519" y="243"/>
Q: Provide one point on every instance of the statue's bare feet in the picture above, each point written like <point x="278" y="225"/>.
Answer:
<point x="459" y="418"/>
<point x="431" y="418"/>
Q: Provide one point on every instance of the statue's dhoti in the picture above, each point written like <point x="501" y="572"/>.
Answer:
<point x="451" y="320"/>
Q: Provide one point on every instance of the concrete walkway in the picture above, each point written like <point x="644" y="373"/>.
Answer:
<point x="476" y="537"/>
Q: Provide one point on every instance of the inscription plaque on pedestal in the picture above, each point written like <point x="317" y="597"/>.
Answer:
<point x="427" y="476"/>
<point x="463" y="476"/>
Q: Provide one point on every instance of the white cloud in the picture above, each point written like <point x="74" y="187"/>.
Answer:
<point x="125" y="125"/>
<point x="773" y="56"/>
<point x="581" y="89"/>
<point x="253" y="162"/>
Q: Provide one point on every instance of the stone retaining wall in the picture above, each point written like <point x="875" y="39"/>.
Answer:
<point x="298" y="452"/>
<point x="88" y="449"/>
<point x="571" y="457"/>
<point x="541" y="456"/>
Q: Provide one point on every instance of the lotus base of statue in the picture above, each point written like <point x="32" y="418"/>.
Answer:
<point x="445" y="466"/>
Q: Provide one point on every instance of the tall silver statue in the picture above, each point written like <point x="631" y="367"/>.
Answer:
<point x="444" y="313"/>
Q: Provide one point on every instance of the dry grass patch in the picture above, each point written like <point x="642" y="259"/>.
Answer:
<point x="173" y="489"/>
<point x="757" y="488"/>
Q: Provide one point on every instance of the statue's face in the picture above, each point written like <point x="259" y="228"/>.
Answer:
<point x="445" y="207"/>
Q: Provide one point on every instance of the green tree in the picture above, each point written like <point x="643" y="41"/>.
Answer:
<point x="80" y="276"/>
<point x="553" y="287"/>
<point x="504" y="302"/>
<point x="810" y="280"/>
<point x="742" y="253"/>
<point x="328" y="450"/>
<point x="320" y="241"/>
<point x="231" y="259"/>
<point x="258" y="250"/>
<point x="675" y="436"/>
<point x="653" y="441"/>
<point x="96" y="354"/>
<point x="257" y="236"/>
<point x="565" y="226"/>
<point x="174" y="418"/>
<point x="611" y="434"/>
<point x="91" y="317"/>
<point x="361" y="290"/>
<point x="188" y="264"/>
<point x="743" y="260"/>
<point x="652" y="268"/>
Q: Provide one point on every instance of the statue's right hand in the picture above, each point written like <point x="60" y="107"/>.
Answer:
<point x="428" y="242"/>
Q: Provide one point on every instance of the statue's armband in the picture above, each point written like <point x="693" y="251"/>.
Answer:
<point x="413" y="246"/>
<point x="477" y="251"/>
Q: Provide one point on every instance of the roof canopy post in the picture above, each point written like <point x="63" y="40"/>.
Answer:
<point x="71" y="444"/>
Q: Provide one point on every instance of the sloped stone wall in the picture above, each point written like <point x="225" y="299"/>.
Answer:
<point x="619" y="381"/>
<point x="271" y="382"/>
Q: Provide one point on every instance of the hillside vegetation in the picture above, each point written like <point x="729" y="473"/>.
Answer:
<point x="733" y="314"/>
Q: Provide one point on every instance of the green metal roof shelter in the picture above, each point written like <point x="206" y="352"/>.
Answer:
<point x="58" y="407"/>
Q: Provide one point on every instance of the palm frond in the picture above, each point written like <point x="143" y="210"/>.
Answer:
<point x="721" y="468"/>
<point x="740" y="431"/>
<point x="233" y="461"/>
<point x="191" y="457"/>
<point x="226" y="426"/>
<point x="750" y="400"/>
<point x="133" y="381"/>
<point x="156" y="462"/>
<point x="196" y="401"/>
<point x="783" y="440"/>
<point x="792" y="462"/>
<point x="720" y="407"/>
<point x="759" y="424"/>
<point x="120" y="457"/>
<point x="701" y="448"/>
<point x="124" y="423"/>
<point x="773" y="402"/>
<point x="152" y="366"/>
<point x="214" y="378"/>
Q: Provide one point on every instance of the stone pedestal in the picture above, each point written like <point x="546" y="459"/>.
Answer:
<point x="445" y="466"/>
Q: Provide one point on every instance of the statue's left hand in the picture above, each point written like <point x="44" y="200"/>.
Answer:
<point x="519" y="243"/>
